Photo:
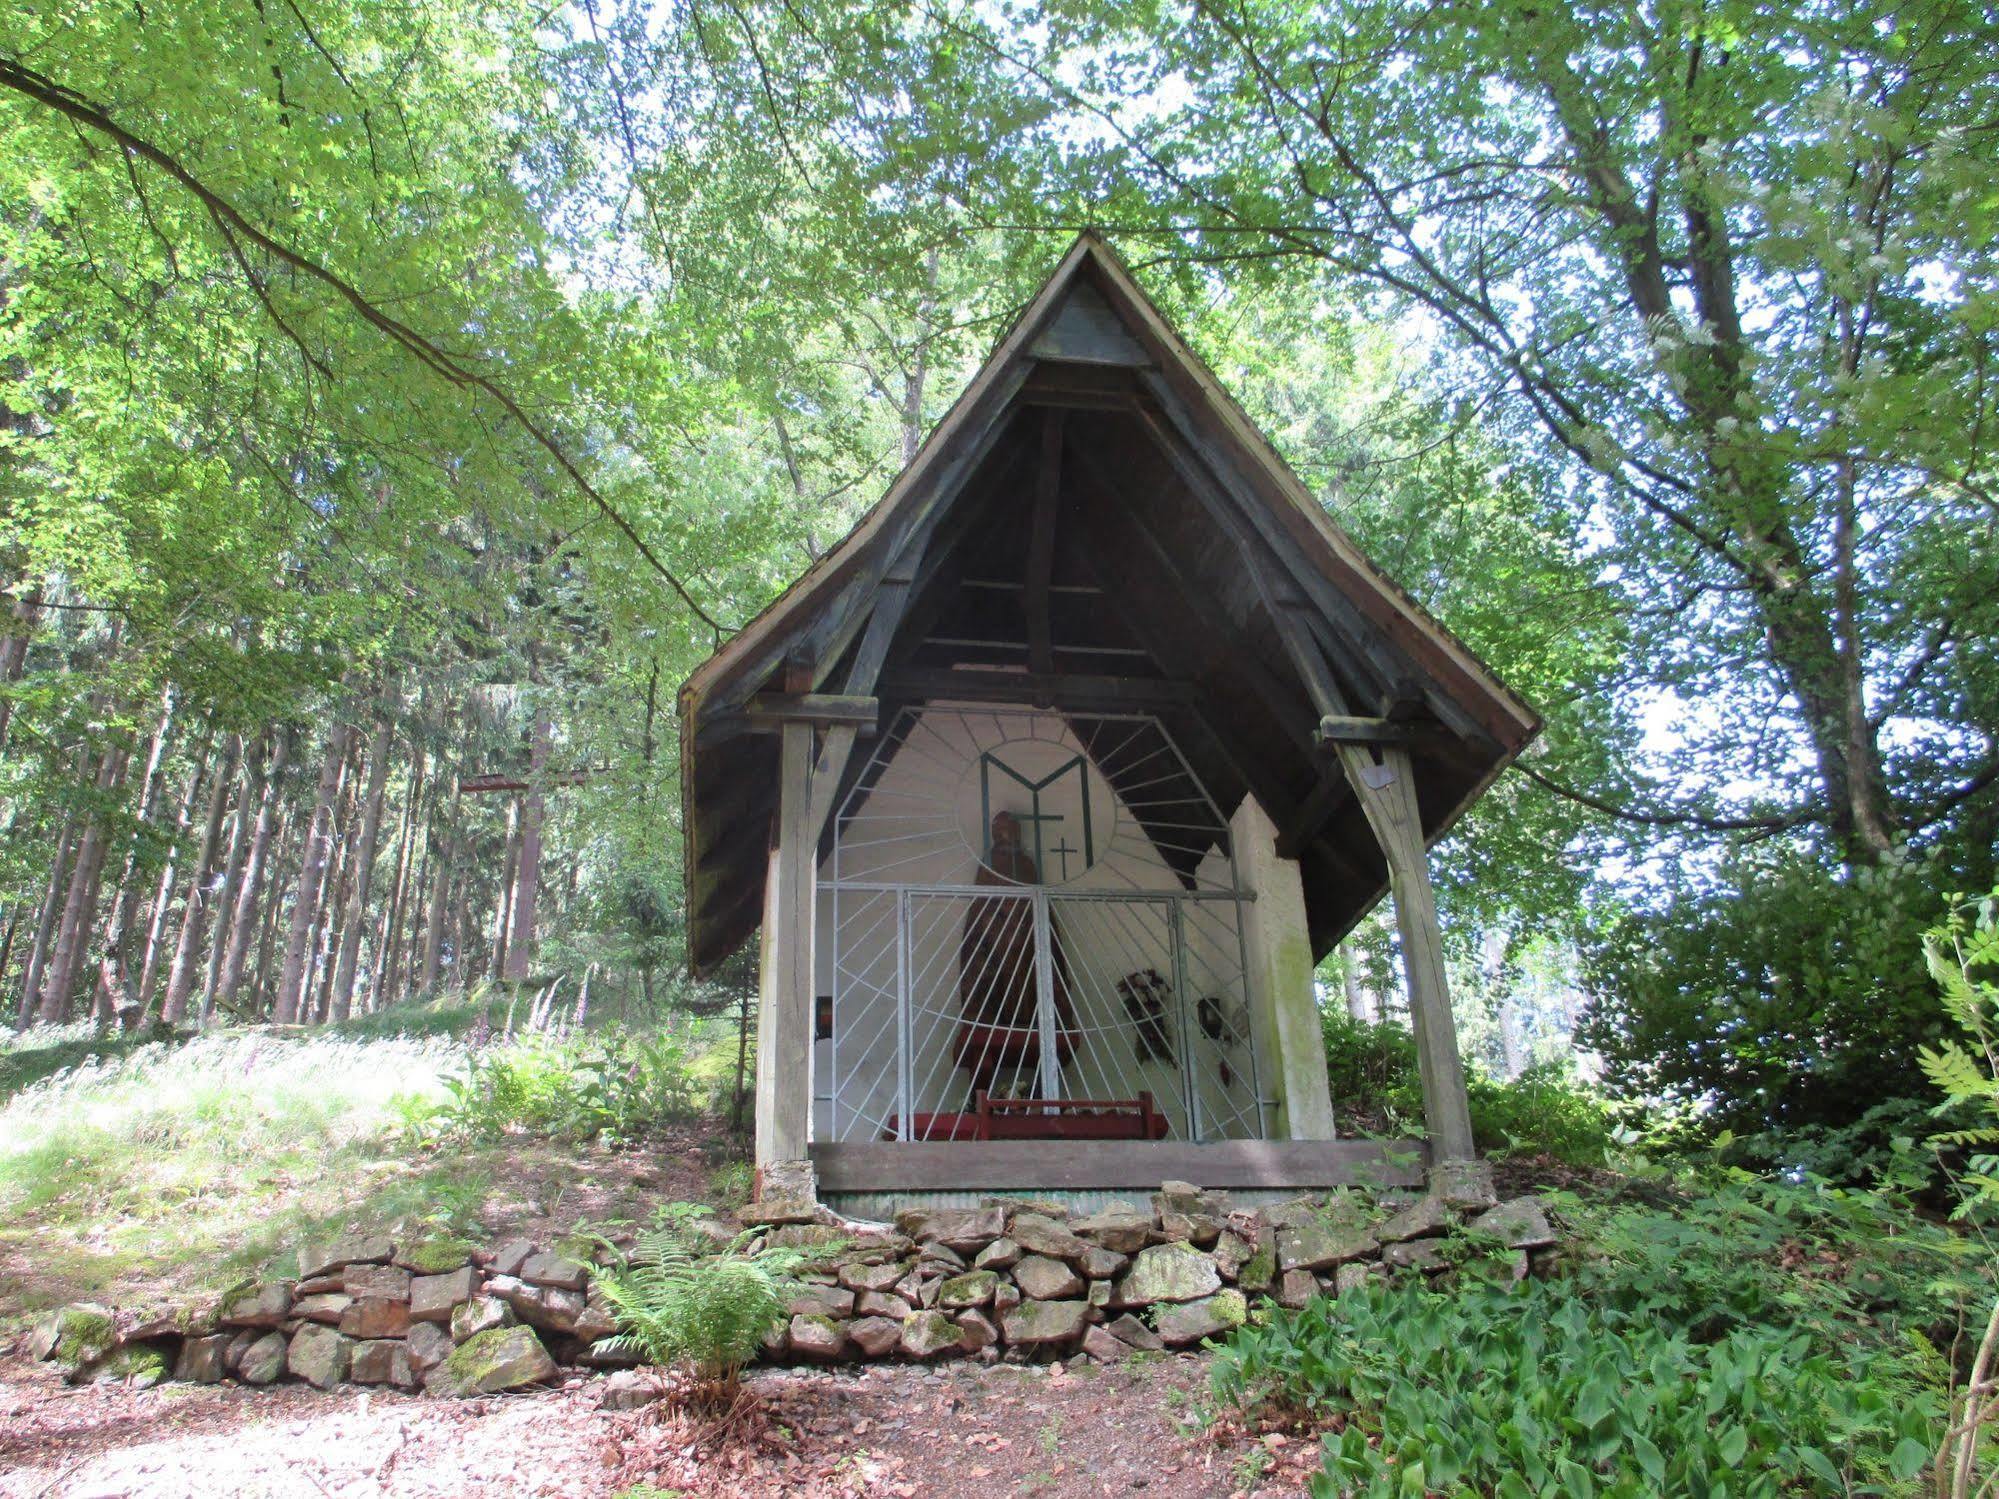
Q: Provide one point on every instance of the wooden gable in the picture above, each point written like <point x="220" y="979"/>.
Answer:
<point x="1096" y="526"/>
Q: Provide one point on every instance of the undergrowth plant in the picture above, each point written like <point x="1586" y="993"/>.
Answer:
<point x="1535" y="1392"/>
<point x="614" y="1086"/>
<point x="699" y="1314"/>
<point x="1963" y="957"/>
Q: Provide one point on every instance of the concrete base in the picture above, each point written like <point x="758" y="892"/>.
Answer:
<point x="786" y="1192"/>
<point x="1464" y="1184"/>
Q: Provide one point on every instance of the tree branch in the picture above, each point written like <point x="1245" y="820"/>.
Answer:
<point x="1771" y="823"/>
<point x="440" y="361"/>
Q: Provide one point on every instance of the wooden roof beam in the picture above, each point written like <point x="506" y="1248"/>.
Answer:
<point x="1041" y="543"/>
<point x="1067" y="690"/>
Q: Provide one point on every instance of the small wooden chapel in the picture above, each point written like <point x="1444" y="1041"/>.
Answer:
<point x="1048" y="787"/>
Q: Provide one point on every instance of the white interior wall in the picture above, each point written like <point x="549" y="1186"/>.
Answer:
<point x="918" y="827"/>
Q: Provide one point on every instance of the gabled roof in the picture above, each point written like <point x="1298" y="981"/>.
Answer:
<point x="1174" y="563"/>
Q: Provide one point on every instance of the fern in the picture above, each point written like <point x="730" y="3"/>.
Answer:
<point x="701" y="1314"/>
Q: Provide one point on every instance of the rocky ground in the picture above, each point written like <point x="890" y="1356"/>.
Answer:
<point x="961" y="1429"/>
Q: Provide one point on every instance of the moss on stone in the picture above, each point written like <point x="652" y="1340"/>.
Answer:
<point x="501" y="1358"/>
<point x="438" y="1256"/>
<point x="1259" y="1269"/>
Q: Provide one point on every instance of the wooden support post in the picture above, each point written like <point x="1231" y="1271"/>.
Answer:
<point x="784" y="1026"/>
<point x="1387" y="792"/>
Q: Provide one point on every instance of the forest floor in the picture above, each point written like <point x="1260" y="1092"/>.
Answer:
<point x="179" y="1217"/>
<point x="957" y="1431"/>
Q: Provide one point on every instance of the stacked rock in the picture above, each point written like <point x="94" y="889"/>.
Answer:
<point x="1013" y="1278"/>
<point x="438" y="1314"/>
<point x="1020" y="1278"/>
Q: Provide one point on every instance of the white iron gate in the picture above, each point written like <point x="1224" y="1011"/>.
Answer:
<point x="1023" y="908"/>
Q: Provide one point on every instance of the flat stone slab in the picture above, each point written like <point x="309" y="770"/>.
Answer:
<point x="352" y="1249"/>
<point x="1520" y="1223"/>
<point x="1317" y="1245"/>
<point x="962" y="1292"/>
<point x="1043" y="1279"/>
<point x="1034" y="1322"/>
<point x="319" y="1356"/>
<point x="927" y="1334"/>
<point x="1425" y="1218"/>
<point x="1122" y="1230"/>
<point x="1168" y="1272"/>
<point x="433" y="1297"/>
<point x="875" y="1336"/>
<point x="504" y="1358"/>
<point x="1042" y="1235"/>
<point x="382" y="1282"/>
<point x="264" y="1305"/>
<point x="1190" y="1321"/>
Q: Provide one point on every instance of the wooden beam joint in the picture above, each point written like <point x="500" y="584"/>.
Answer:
<point x="768" y="712"/>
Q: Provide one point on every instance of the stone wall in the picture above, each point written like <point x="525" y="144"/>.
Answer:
<point x="1014" y="1278"/>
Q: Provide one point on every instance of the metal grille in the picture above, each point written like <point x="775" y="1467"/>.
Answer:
<point x="1039" y="908"/>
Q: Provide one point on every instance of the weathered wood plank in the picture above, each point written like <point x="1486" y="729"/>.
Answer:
<point x="771" y="711"/>
<point x="1387" y="793"/>
<point x="1028" y="1165"/>
<point x="1041" y="543"/>
<point x="1078" y="692"/>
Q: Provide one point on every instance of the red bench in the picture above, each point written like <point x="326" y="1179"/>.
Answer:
<point x="1039" y="1119"/>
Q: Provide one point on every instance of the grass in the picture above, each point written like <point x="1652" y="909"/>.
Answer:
<point x="198" y="1159"/>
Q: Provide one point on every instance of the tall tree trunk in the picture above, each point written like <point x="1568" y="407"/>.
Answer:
<point x="115" y="997"/>
<point x="243" y="911"/>
<point x="45" y="925"/>
<point x="79" y="913"/>
<point x="194" y="914"/>
<point x="263" y="982"/>
<point x="504" y="891"/>
<point x="305" y="907"/>
<point x="332" y="885"/>
<point x="156" y="926"/>
<point x="395" y="928"/>
<point x="521" y="944"/>
<point x="342" y="1000"/>
<point x="440" y="895"/>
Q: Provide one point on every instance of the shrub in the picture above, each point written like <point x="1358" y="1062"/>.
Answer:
<point x="1543" y="1111"/>
<point x="615" y="1086"/>
<point x="1371" y="1068"/>
<point x="702" y="1315"/>
<point x="1535" y="1391"/>
<point x="1786" y="1002"/>
<point x="1371" y="1071"/>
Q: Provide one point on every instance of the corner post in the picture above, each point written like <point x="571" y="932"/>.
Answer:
<point x="784" y="1018"/>
<point x="1284" y="1006"/>
<point x="1387" y="793"/>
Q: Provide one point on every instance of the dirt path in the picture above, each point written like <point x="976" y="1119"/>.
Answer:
<point x="958" y="1431"/>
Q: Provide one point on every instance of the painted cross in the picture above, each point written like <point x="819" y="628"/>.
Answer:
<point x="1032" y="819"/>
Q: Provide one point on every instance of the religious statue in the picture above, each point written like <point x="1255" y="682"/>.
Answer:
<point x="998" y="1026"/>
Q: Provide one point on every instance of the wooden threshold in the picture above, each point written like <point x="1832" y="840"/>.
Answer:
<point x="1028" y="1165"/>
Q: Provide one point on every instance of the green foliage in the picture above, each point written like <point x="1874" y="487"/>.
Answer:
<point x="703" y="1314"/>
<point x="1543" y="1111"/>
<point x="614" y="1086"/>
<point x="1540" y="1391"/>
<point x="1370" y="1066"/>
<point x="1846" y="1266"/>
<point x="1779" y="1338"/>
<point x="1963" y="958"/>
<point x="192" y="1157"/>
<point x="1371" y="1070"/>
<point x="1785" y="1002"/>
